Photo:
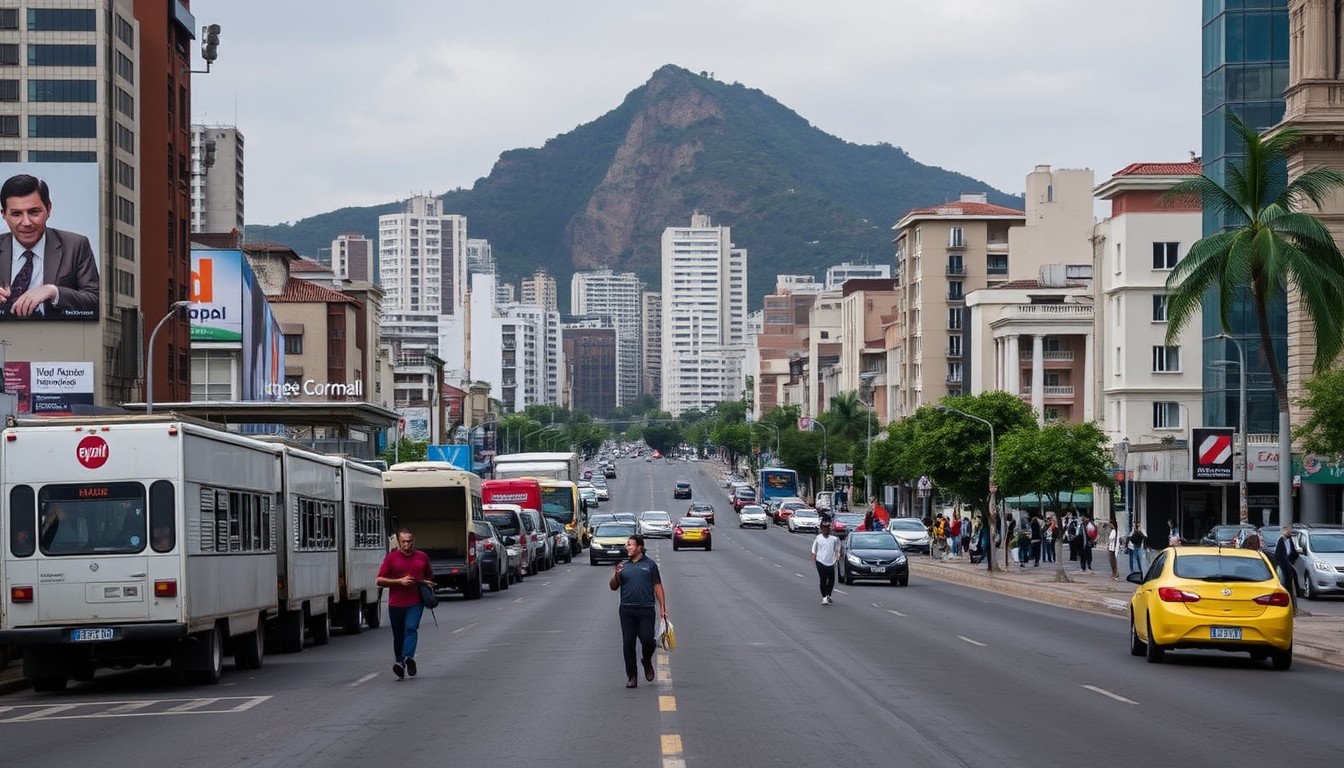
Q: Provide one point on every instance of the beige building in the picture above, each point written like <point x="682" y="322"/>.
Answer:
<point x="539" y="290"/>
<point x="783" y="341"/>
<point x="651" y="339"/>
<point x="866" y="306"/>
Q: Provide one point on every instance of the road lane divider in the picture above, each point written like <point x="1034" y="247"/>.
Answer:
<point x="1110" y="695"/>
<point x="966" y="639"/>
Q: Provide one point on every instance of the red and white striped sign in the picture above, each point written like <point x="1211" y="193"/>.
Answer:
<point x="1216" y="449"/>
<point x="1213" y="452"/>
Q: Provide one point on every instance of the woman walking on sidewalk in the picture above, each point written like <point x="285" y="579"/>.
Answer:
<point x="1136" y="542"/>
<point x="1113" y="550"/>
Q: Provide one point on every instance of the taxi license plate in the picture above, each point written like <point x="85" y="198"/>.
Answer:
<point x="91" y="635"/>
<point x="879" y="569"/>
<point x="1224" y="633"/>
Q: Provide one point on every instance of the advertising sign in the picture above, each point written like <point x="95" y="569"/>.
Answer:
<point x="65" y="237"/>
<point x="217" y="293"/>
<point x="49" y="389"/>
<point x="1213" y="453"/>
<point x="417" y="423"/>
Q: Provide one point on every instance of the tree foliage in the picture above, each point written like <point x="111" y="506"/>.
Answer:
<point x="1058" y="457"/>
<point x="1323" y="431"/>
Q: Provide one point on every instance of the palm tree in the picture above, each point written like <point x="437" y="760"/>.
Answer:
<point x="1271" y="247"/>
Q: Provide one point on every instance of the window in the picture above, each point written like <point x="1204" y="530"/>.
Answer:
<point x="62" y="55"/>
<point x="368" y="525"/>
<point x="293" y="344"/>
<point x="1051" y="379"/>
<point x="9" y="55"/>
<point x="9" y="125"/>
<point x="62" y="127"/>
<point x="162" y="516"/>
<point x="954" y="373"/>
<point x="1119" y="258"/>
<point x="9" y="18"/>
<point x="9" y="90"/>
<point x="125" y="283"/>
<point x="1160" y="308"/>
<point x="316" y="524"/>
<point x="954" y="345"/>
<point x="955" y="290"/>
<point x="996" y="264"/>
<point x="125" y="245"/>
<point x="125" y="32"/>
<point x="236" y="521"/>
<point x="1166" y="415"/>
<point x="62" y="156"/>
<point x="125" y="210"/>
<point x="956" y="237"/>
<point x="125" y="174"/>
<point x="125" y="102"/>
<point x="74" y="91"/>
<point x="125" y="68"/>
<point x="125" y="138"/>
<point x="62" y="20"/>
<point x="1164" y="255"/>
<point x="1166" y="359"/>
<point x="1119" y="361"/>
<point x="954" y="318"/>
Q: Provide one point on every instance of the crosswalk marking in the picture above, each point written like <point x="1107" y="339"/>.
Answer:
<point x="87" y="710"/>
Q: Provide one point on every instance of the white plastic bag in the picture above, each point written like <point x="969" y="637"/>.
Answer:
<point x="666" y="634"/>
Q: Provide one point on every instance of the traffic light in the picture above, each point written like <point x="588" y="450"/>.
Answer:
<point x="210" y="43"/>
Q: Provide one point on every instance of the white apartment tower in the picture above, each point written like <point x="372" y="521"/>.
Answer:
<point x="603" y="292"/>
<point x="216" y="178"/>
<point x="422" y="258"/>
<point x="352" y="258"/>
<point x="704" y="314"/>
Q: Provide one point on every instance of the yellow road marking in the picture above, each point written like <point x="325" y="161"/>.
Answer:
<point x="671" y="744"/>
<point x="667" y="703"/>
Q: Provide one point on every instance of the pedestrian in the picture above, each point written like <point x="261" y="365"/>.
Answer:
<point x="1048" y="532"/>
<point x="403" y="570"/>
<point x="1036" y="540"/>
<point x="1086" y="537"/>
<point x="868" y="521"/>
<point x="1136" y="542"/>
<point x="641" y="587"/>
<point x="954" y="535"/>
<point x="966" y="534"/>
<point x="1285" y="555"/>
<point x="983" y="533"/>
<point x="1113" y="543"/>
<point x="825" y="551"/>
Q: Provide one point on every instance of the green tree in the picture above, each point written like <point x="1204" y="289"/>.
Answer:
<point x="1323" y="431"/>
<point x="1050" y="460"/>
<point x="1271" y="246"/>
<point x="404" y="449"/>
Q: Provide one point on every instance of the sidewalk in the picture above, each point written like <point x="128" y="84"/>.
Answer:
<point x="1315" y="638"/>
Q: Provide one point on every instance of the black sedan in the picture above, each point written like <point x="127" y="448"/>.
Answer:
<point x="872" y="555"/>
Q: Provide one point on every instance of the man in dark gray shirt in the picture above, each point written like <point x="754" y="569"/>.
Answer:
<point x="641" y="585"/>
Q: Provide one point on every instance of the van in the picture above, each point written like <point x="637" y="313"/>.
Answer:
<point x="545" y="549"/>
<point x="508" y="518"/>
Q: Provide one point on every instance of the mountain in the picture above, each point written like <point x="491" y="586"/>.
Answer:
<point x="797" y="198"/>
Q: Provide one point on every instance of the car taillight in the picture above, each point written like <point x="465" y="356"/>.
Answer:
<point x="165" y="588"/>
<point x="490" y="545"/>
<point x="1277" y="599"/>
<point x="1174" y="595"/>
<point x="471" y="549"/>
<point x="21" y="594"/>
<point x="678" y="530"/>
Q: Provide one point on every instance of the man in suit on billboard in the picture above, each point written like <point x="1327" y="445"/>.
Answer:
<point x="45" y="273"/>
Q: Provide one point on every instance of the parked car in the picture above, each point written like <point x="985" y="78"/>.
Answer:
<point x="911" y="533"/>
<point x="600" y="485"/>
<point x="804" y="519"/>
<point x="754" y="515"/>
<point x="588" y="495"/>
<point x="700" y="509"/>
<point x="609" y="472"/>
<point x="786" y="508"/>
<point x="692" y="532"/>
<point x="874" y="555"/>
<point x="1269" y="538"/>
<point x="508" y="518"/>
<point x="1226" y="535"/>
<point x="681" y="490"/>
<point x="608" y="545"/>
<point x="494" y="555"/>
<point x="535" y="525"/>
<point x="656" y="523"/>
<point x="844" y="522"/>
<point x="743" y="497"/>
<point x="560" y="545"/>
<point x="1320" y="562"/>
<point x="1211" y="598"/>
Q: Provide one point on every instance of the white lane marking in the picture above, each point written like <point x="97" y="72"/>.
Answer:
<point x="841" y="592"/>
<point x="972" y="642"/>
<point x="1108" y="694"/>
<point x="777" y="565"/>
<point x="902" y="615"/>
<point x="673" y="762"/>
<point x="364" y="679"/>
<point x="38" y="714"/>
<point x="189" y="706"/>
<point x="799" y="575"/>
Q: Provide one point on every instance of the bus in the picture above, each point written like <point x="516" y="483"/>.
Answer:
<point x="560" y="502"/>
<point x="777" y="483"/>
<point x="556" y="465"/>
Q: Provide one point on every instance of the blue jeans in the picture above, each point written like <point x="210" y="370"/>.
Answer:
<point x="405" y="630"/>
<point x="1048" y="551"/>
<point x="1136" y="560"/>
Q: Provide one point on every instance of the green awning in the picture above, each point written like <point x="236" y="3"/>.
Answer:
<point x="1066" y="499"/>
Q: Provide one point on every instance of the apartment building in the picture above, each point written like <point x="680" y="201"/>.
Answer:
<point x="606" y="293"/>
<point x="539" y="290"/>
<point x="839" y="274"/>
<point x="352" y="258"/>
<point x="784" y="337"/>
<point x="651" y="343"/>
<point x="590" y="346"/>
<point x="216" y="178"/>
<point x="866" y="306"/>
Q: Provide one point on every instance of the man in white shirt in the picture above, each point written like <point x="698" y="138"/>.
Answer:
<point x="825" y="551"/>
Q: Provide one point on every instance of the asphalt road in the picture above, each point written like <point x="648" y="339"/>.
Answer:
<point x="932" y="674"/>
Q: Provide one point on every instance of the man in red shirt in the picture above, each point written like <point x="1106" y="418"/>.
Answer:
<point x="402" y="571"/>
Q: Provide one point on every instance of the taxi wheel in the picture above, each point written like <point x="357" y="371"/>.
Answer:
<point x="1135" y="644"/>
<point x="1282" y="659"/>
<point x="1155" y="652"/>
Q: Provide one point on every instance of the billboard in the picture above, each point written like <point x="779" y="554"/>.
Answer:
<point x="230" y="308"/>
<point x="49" y="389"/>
<point x="61" y="279"/>
<point x="415" y="423"/>
<point x="1213" y="453"/>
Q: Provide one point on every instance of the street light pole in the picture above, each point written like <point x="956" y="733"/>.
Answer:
<point x="824" y="452"/>
<point x="149" y="353"/>
<point x="993" y="489"/>
<point x="1243" y="514"/>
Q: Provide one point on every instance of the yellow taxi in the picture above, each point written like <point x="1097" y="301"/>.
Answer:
<point x="1211" y="598"/>
<point x="692" y="532"/>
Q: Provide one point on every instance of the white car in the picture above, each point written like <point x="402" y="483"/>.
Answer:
<point x="752" y="514"/>
<point x="656" y="523"/>
<point x="804" y="519"/>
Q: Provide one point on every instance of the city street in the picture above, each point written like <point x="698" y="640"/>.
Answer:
<point x="933" y="674"/>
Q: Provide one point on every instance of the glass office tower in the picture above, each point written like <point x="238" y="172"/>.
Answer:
<point x="1245" y="71"/>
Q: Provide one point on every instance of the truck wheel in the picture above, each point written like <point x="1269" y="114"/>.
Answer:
<point x="320" y="627"/>
<point x="373" y="615"/>
<point x="504" y="580"/>
<point x="249" y="648"/>
<point x="475" y="587"/>
<point x="211" y="652"/>
<point x="495" y="580"/>
<point x="291" y="632"/>
<point x="350" y="614"/>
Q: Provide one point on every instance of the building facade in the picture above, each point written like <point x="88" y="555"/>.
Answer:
<point x="591" y="362"/>
<point x="352" y="258"/>
<point x="539" y="290"/>
<point x="603" y="292"/>
<point x="651" y="343"/>
<point x="216" y="178"/>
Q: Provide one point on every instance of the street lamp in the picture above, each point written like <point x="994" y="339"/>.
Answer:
<point x="824" y="453"/>
<point x="866" y="379"/>
<point x="1242" y="513"/>
<point x="993" y="488"/>
<point x="149" y="353"/>
<point x="771" y="426"/>
<point x="523" y="444"/>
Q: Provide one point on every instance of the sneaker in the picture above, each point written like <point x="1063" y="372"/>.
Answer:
<point x="632" y="683"/>
<point x="398" y="670"/>
<point x="410" y="667"/>
<point x="824" y="600"/>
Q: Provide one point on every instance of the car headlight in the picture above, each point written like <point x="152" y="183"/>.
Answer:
<point x="1321" y="565"/>
<point x="853" y="559"/>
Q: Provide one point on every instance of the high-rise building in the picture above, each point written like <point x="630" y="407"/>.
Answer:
<point x="1245" y="72"/>
<point x="838" y="274"/>
<point x="422" y="258"/>
<point x="352" y="258"/>
<point x="704" y="280"/>
<point x="651" y="348"/>
<point x="783" y="339"/>
<point x="480" y="257"/>
<point x="539" y="290"/>
<point x="216" y="178"/>
<point x="603" y="292"/>
<point x="591" y="357"/>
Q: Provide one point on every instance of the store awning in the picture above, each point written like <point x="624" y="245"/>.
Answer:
<point x="1066" y="499"/>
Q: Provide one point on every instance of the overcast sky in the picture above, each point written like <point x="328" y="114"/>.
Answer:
<point x="359" y="103"/>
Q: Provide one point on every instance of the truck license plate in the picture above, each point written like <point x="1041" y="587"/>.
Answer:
<point x="1225" y="633"/>
<point x="92" y="635"/>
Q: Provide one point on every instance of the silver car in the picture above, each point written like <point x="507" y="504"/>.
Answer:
<point x="911" y="533"/>
<point x="804" y="519"/>
<point x="752" y="514"/>
<point x="656" y="524"/>
<point x="1320" y="561"/>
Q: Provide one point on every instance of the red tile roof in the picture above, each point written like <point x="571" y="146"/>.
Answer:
<point x="1191" y="168"/>
<point x="960" y="208"/>
<point x="307" y="265"/>
<point x="299" y="291"/>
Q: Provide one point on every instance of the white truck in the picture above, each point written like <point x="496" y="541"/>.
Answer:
<point x="437" y="502"/>
<point x="136" y="540"/>
<point x="363" y="546"/>
<point x="556" y="465"/>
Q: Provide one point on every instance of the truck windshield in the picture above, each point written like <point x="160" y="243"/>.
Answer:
<point x="106" y="518"/>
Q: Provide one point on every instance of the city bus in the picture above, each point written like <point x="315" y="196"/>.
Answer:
<point x="560" y="502"/>
<point x="777" y="483"/>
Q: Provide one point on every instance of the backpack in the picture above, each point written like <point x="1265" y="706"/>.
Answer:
<point x="1091" y="531"/>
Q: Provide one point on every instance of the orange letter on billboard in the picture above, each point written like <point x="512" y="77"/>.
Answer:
<point x="203" y="282"/>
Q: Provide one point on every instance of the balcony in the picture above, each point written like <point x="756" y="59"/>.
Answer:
<point x="1050" y="356"/>
<point x="1049" y="312"/>
<point x="955" y="380"/>
<point x="953" y="352"/>
<point x="1056" y="391"/>
<point x="956" y="270"/>
<point x="956" y="296"/>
